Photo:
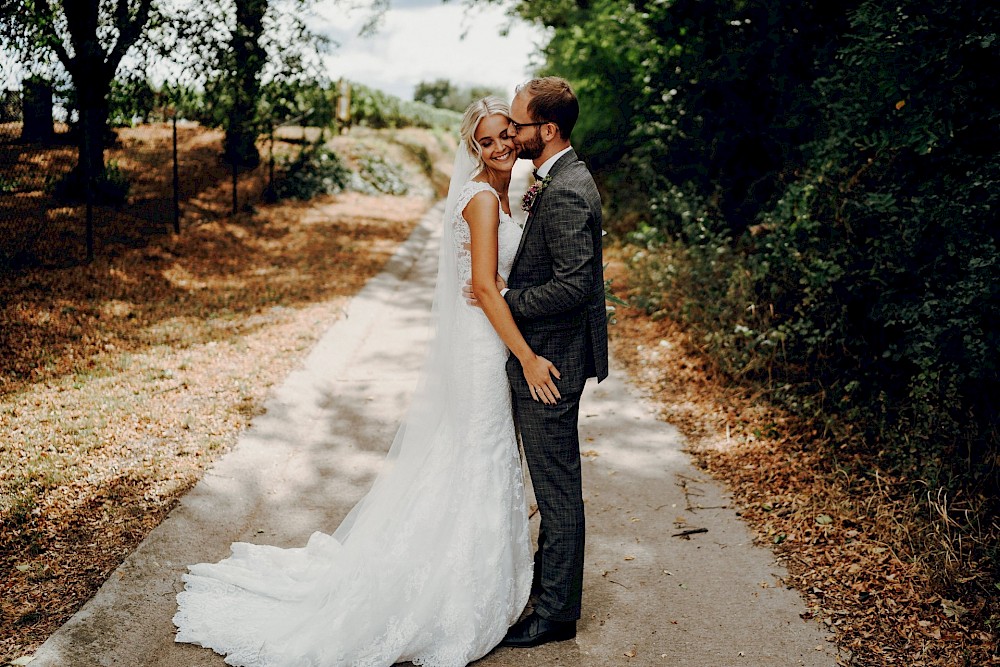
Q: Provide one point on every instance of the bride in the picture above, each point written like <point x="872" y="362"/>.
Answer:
<point x="434" y="563"/>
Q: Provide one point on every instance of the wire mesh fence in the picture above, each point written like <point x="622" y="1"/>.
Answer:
<point x="167" y="174"/>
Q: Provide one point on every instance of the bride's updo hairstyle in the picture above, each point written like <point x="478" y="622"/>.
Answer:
<point x="475" y="112"/>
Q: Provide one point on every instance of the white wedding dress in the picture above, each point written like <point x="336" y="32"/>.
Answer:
<point x="434" y="564"/>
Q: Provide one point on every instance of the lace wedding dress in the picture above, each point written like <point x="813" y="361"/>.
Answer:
<point x="434" y="564"/>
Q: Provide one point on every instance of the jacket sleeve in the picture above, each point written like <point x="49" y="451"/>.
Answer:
<point x="570" y="243"/>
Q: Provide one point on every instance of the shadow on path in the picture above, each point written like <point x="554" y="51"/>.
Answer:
<point x="713" y="600"/>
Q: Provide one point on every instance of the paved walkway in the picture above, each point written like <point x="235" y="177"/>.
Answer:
<point x="713" y="600"/>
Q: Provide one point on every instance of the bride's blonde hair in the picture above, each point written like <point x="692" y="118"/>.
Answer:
<point x="475" y="112"/>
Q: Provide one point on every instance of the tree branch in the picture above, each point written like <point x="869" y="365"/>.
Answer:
<point x="45" y="18"/>
<point x="128" y="31"/>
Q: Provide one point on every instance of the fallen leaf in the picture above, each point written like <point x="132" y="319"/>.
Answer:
<point x="953" y="610"/>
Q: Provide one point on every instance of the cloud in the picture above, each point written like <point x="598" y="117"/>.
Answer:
<point x="422" y="41"/>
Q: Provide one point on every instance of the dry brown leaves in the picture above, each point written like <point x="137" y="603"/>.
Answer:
<point x="122" y="380"/>
<point x="843" y="540"/>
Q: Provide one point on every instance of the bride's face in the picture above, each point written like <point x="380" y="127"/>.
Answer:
<point x="492" y="137"/>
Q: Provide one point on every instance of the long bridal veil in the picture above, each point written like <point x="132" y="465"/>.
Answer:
<point x="432" y="398"/>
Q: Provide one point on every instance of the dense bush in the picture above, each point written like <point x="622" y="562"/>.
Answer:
<point x="887" y="246"/>
<point x="111" y="187"/>
<point x="316" y="170"/>
<point x="376" y="175"/>
<point x="814" y="188"/>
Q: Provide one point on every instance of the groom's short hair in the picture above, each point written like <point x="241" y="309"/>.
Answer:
<point x="552" y="99"/>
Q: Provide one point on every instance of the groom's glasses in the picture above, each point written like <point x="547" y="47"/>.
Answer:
<point x="518" y="126"/>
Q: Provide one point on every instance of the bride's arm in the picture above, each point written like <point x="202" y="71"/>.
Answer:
<point x="483" y="216"/>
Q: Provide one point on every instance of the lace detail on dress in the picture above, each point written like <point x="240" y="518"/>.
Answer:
<point x="437" y="564"/>
<point x="509" y="234"/>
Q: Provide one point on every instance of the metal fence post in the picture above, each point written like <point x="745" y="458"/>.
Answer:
<point x="270" y="166"/>
<point x="177" y="181"/>
<point x="234" y="151"/>
<point x="88" y="181"/>
<point x="236" y="197"/>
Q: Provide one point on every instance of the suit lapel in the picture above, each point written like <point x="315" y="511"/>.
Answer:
<point x="566" y="159"/>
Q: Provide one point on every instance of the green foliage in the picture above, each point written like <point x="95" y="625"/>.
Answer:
<point x="318" y="170"/>
<point x="603" y="50"/>
<point x="315" y="171"/>
<point x="444" y="94"/>
<point x="375" y="109"/>
<point x="376" y="175"/>
<point x="111" y="186"/>
<point x="814" y="188"/>
<point x="132" y="98"/>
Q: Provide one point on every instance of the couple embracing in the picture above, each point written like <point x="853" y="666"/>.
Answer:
<point x="434" y="564"/>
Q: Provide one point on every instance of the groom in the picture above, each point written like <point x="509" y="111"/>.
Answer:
<point x="556" y="293"/>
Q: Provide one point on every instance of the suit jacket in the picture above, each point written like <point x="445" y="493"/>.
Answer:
<point x="557" y="280"/>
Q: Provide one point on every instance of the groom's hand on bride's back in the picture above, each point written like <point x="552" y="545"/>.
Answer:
<point x="470" y="296"/>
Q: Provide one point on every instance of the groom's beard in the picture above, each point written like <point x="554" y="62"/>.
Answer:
<point x="532" y="148"/>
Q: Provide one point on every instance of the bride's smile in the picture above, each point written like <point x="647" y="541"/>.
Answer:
<point x="497" y="148"/>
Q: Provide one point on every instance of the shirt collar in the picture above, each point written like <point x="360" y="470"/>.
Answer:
<point x="543" y="171"/>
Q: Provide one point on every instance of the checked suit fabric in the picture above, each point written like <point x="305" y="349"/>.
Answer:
<point x="556" y="294"/>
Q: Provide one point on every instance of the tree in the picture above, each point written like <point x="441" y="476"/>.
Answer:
<point x="36" y="110"/>
<point x="444" y="94"/>
<point x="89" y="38"/>
<point x="248" y="57"/>
<point x="434" y="92"/>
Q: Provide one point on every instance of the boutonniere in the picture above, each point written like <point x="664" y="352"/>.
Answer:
<point x="528" y="200"/>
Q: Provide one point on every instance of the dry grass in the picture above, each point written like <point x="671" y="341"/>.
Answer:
<point x="849" y="541"/>
<point x="122" y="380"/>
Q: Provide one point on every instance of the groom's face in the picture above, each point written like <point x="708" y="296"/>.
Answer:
<point x="528" y="137"/>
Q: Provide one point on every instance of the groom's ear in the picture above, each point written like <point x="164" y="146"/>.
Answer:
<point x="550" y="132"/>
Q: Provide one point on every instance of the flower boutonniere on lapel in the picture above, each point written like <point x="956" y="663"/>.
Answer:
<point x="531" y="194"/>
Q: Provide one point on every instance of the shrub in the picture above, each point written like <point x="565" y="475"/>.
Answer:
<point x="314" y="171"/>
<point x="376" y="175"/>
<point x="111" y="187"/>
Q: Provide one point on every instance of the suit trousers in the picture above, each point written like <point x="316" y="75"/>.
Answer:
<point x="551" y="442"/>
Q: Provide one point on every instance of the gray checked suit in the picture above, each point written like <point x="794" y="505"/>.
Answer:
<point x="556" y="294"/>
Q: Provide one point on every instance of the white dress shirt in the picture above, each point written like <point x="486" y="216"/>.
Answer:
<point x="543" y="171"/>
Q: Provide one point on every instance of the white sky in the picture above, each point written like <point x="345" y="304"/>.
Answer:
<point x="421" y="40"/>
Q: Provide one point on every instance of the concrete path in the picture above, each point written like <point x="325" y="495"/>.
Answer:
<point x="713" y="600"/>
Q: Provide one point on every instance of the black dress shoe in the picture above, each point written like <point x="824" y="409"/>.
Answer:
<point x="533" y="630"/>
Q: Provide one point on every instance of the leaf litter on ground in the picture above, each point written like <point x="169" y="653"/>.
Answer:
<point x="843" y="540"/>
<point x="121" y="381"/>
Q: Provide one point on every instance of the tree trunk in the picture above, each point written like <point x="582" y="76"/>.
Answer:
<point x="92" y="75"/>
<point x="248" y="60"/>
<point x="92" y="89"/>
<point x="37" y="110"/>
